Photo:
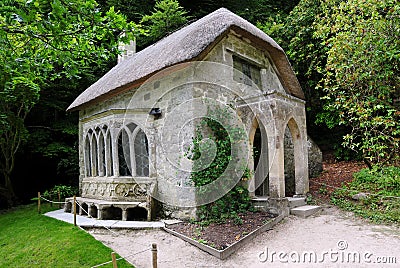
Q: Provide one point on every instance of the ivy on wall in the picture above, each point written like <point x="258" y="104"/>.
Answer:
<point x="221" y="135"/>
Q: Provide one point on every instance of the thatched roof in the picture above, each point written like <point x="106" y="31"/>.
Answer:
<point x="192" y="42"/>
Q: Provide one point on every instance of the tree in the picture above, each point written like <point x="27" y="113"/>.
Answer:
<point x="262" y="10"/>
<point x="361" y="78"/>
<point x="295" y="33"/>
<point x="134" y="10"/>
<point x="42" y="41"/>
<point x="167" y="16"/>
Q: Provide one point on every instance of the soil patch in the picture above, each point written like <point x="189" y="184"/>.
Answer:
<point x="221" y="236"/>
<point x="334" y="175"/>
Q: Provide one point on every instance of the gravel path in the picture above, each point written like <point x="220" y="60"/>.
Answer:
<point x="332" y="238"/>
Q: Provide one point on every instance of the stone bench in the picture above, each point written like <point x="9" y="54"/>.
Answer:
<point x="110" y="210"/>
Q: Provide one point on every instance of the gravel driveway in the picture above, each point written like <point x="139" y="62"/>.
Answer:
<point x="332" y="238"/>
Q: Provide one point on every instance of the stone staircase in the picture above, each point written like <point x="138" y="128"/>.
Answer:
<point x="284" y="206"/>
<point x="299" y="207"/>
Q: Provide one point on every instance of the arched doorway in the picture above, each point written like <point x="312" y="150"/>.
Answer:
<point x="259" y="143"/>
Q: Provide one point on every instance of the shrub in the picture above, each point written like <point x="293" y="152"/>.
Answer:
<point x="64" y="190"/>
<point x="382" y="202"/>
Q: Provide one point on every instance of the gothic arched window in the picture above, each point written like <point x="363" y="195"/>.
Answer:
<point x="124" y="154"/>
<point x="141" y="154"/>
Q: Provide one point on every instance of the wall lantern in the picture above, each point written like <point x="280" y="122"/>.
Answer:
<point x="156" y="112"/>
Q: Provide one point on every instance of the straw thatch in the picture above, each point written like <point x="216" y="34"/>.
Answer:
<point x="192" y="42"/>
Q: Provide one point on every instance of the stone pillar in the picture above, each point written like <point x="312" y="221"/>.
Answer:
<point x="114" y="145"/>
<point x="99" y="213"/>
<point x="89" y="211"/>
<point x="301" y="162"/>
<point x="276" y="163"/>
<point x="124" y="214"/>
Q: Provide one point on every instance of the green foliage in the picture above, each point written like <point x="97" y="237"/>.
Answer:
<point x="382" y="202"/>
<point x="64" y="191"/>
<point x="134" y="10"/>
<point x="237" y="200"/>
<point x="29" y="239"/>
<point x="346" y="52"/>
<point x="385" y="181"/>
<point x="41" y="42"/>
<point x="342" y="153"/>
<point x="167" y="16"/>
<point x="252" y="10"/>
<point x="261" y="10"/>
<point x="361" y="77"/>
<point x="295" y="33"/>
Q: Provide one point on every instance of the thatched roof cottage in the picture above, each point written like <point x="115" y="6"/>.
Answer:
<point x="135" y="123"/>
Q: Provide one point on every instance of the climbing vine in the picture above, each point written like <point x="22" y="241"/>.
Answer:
<point x="222" y="135"/>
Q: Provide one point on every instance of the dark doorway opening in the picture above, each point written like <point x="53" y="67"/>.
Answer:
<point x="94" y="212"/>
<point x="289" y="163"/>
<point x="136" y="214"/>
<point x="112" y="213"/>
<point x="260" y="157"/>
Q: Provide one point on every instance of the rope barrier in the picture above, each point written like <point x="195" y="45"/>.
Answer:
<point x="102" y="264"/>
<point x="131" y="255"/>
<point x="50" y="201"/>
<point x="90" y="216"/>
<point x="348" y="190"/>
<point x="136" y="253"/>
<point x="87" y="213"/>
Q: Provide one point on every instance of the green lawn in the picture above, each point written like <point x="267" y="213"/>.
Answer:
<point x="28" y="239"/>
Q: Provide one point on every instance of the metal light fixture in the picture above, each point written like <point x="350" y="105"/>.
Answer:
<point x="156" y="112"/>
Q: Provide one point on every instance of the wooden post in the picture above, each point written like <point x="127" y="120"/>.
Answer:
<point x="74" y="205"/>
<point x="154" y="253"/>
<point x="59" y="199"/>
<point x="38" y="202"/>
<point x="114" y="260"/>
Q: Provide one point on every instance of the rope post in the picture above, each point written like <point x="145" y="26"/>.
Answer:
<point x="114" y="260"/>
<point x="154" y="253"/>
<point x="38" y="202"/>
<point x="59" y="199"/>
<point x="74" y="210"/>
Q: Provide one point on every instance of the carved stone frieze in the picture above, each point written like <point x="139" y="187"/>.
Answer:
<point x="128" y="191"/>
<point x="93" y="188"/>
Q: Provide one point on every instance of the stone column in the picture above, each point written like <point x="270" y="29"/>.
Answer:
<point x="301" y="162"/>
<point x="124" y="214"/>
<point x="276" y="163"/>
<point x="99" y="213"/>
<point x="114" y="145"/>
<point x="89" y="211"/>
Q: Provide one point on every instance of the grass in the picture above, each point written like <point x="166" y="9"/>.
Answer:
<point x="28" y="239"/>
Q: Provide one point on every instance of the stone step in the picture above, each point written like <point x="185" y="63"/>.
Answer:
<point x="304" y="211"/>
<point x="296" y="202"/>
<point x="260" y="201"/>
